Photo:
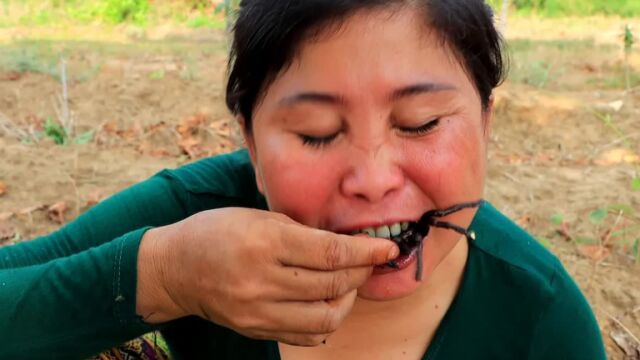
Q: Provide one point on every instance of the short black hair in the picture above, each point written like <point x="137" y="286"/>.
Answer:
<point x="268" y="33"/>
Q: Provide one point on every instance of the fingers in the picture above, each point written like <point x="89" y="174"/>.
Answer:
<point x="324" y="250"/>
<point x="308" y="318"/>
<point x="299" y="284"/>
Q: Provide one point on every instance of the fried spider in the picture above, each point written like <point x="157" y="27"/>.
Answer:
<point x="417" y="231"/>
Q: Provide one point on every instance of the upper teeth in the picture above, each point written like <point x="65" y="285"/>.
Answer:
<point x="385" y="231"/>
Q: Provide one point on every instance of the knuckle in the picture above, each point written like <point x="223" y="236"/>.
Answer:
<point x="335" y="254"/>
<point x="338" y="285"/>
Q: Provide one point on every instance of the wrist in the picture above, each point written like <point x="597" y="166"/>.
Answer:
<point x="154" y="302"/>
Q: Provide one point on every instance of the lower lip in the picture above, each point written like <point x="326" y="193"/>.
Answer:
<point x="403" y="262"/>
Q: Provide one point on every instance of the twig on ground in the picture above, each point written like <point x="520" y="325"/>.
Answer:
<point x="8" y="127"/>
<point x="77" y="192"/>
<point x="614" y="143"/>
<point x="61" y="103"/>
<point x="621" y="325"/>
<point x="66" y="115"/>
<point x="607" y="237"/>
<point x="512" y="178"/>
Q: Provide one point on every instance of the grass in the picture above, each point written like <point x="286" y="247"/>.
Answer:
<point x="201" y="13"/>
<point x="86" y="58"/>
<point x="560" y="8"/>
<point x="565" y="64"/>
<point x="542" y="63"/>
<point x="192" y="13"/>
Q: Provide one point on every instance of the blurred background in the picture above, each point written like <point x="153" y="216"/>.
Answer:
<point x="98" y="95"/>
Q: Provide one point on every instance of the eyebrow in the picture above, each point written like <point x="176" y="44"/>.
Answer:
<point x="312" y="97"/>
<point x="334" y="99"/>
<point x="421" y="88"/>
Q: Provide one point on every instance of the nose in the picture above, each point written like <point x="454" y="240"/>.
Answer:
<point x="373" y="176"/>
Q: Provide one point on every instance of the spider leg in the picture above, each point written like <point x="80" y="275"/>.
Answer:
<point x="454" y="227"/>
<point x="455" y="208"/>
<point x="419" y="265"/>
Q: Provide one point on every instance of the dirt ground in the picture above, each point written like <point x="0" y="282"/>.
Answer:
<point x="565" y="143"/>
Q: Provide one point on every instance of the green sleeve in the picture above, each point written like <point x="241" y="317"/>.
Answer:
<point x="158" y="201"/>
<point x="71" y="294"/>
<point x="567" y="328"/>
<point x="72" y="307"/>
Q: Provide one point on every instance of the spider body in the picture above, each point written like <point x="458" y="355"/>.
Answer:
<point x="413" y="238"/>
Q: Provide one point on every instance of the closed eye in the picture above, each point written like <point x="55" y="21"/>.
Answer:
<point x="422" y="129"/>
<point x="317" y="142"/>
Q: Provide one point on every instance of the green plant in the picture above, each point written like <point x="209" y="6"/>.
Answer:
<point x="557" y="219"/>
<point x="597" y="216"/>
<point x="229" y="8"/>
<point x="60" y="136"/>
<point x="119" y="11"/>
<point x="556" y="8"/>
<point x="55" y="131"/>
<point x="610" y="226"/>
<point x="157" y="74"/>
<point x="628" y="44"/>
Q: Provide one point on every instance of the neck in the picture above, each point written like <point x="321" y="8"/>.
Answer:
<point x="441" y="285"/>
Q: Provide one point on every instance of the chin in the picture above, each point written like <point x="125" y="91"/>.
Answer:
<point x="391" y="285"/>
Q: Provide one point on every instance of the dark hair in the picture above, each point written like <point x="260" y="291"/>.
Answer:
<point x="268" y="33"/>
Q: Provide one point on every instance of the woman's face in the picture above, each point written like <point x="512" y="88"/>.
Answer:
<point x="374" y="123"/>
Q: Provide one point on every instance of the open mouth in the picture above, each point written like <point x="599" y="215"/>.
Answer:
<point x="409" y="236"/>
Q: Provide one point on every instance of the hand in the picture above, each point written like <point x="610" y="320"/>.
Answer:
<point x="259" y="273"/>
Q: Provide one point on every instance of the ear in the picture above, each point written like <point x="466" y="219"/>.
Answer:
<point x="251" y="146"/>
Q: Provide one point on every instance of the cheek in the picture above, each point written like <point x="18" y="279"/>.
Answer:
<point x="297" y="184"/>
<point x="451" y="169"/>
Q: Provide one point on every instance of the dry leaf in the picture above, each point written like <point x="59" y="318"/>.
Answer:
<point x="4" y="216"/>
<point x="617" y="156"/>
<point x="524" y="220"/>
<point x="3" y="188"/>
<point x="564" y="231"/>
<point x="589" y="68"/>
<point x="56" y="212"/>
<point x="221" y="127"/>
<point x="94" y="198"/>
<point x="11" y="76"/>
<point x="29" y="210"/>
<point x="626" y="344"/>
<point x="190" y="124"/>
<point x="7" y="232"/>
<point x="594" y="252"/>
<point x="146" y="148"/>
<point x="191" y="146"/>
<point x="155" y="127"/>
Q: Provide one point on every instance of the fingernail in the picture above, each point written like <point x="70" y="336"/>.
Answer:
<point x="393" y="253"/>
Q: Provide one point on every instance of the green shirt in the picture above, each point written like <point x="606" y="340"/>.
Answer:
<point x="71" y="294"/>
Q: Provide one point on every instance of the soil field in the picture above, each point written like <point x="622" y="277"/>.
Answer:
<point x="565" y="144"/>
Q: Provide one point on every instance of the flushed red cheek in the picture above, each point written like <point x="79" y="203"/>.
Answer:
<point x="300" y="190"/>
<point x="450" y="172"/>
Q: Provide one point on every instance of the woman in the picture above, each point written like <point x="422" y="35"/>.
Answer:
<point x="359" y="117"/>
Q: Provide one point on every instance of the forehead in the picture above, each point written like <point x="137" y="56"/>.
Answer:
<point x="367" y="55"/>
